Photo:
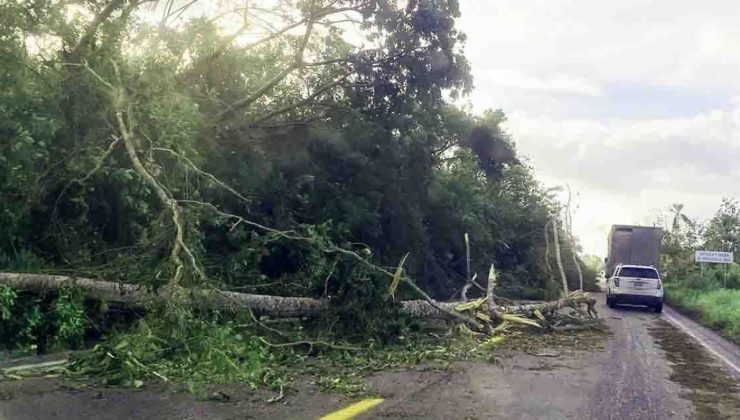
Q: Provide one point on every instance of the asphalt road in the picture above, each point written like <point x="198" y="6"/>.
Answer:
<point x="650" y="366"/>
<point x="648" y="369"/>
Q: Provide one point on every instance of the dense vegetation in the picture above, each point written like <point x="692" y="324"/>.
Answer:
<point x="712" y="294"/>
<point x="287" y="148"/>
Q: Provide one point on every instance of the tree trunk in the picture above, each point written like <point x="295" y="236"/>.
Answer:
<point x="275" y="306"/>
<point x="547" y="251"/>
<point x="578" y="268"/>
<point x="493" y="311"/>
<point x="468" y="280"/>
<point x="569" y="229"/>
<point x="135" y="295"/>
<point x="556" y="241"/>
<point x="576" y="298"/>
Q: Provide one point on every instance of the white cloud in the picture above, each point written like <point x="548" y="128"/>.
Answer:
<point x="514" y="79"/>
<point x="635" y="104"/>
<point x="675" y="42"/>
<point x="625" y="170"/>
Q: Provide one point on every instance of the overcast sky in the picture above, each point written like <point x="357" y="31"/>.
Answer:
<point x="634" y="104"/>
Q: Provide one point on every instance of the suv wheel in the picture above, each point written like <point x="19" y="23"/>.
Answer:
<point x="659" y="307"/>
<point x="609" y="301"/>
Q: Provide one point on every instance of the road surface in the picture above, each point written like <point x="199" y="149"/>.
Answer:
<point x="649" y="369"/>
<point x="650" y="366"/>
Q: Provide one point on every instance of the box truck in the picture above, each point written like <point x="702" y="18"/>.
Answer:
<point x="633" y="245"/>
<point x="632" y="265"/>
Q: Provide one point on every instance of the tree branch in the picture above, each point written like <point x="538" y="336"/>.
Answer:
<point x="310" y="344"/>
<point x="166" y="199"/>
<point x="204" y="173"/>
<point x="300" y="103"/>
<point x="326" y="62"/>
<point x="297" y="63"/>
<point x="310" y="19"/>
<point x="95" y="24"/>
<point x="239" y="220"/>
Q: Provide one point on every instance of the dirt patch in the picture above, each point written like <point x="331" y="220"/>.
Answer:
<point x="547" y="367"/>
<point x="713" y="392"/>
<point x="556" y="344"/>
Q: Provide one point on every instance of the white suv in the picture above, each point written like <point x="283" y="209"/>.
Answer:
<point x="636" y="285"/>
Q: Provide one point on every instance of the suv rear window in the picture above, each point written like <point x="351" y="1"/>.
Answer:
<point x="645" y="273"/>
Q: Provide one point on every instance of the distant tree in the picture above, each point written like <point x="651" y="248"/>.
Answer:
<point x="593" y="262"/>
<point x="723" y="229"/>
<point x="679" y="218"/>
<point x="679" y="243"/>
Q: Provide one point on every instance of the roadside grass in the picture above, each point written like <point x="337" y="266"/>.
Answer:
<point x="717" y="308"/>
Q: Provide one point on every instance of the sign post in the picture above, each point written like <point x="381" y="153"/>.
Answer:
<point x="714" y="257"/>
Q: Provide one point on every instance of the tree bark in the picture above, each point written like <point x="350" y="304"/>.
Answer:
<point x="576" y="298"/>
<point x="493" y="311"/>
<point x="547" y="251"/>
<point x="275" y="306"/>
<point x="99" y="19"/>
<point x="569" y="229"/>
<point x="136" y="295"/>
<point x="556" y="241"/>
<point x="578" y="266"/>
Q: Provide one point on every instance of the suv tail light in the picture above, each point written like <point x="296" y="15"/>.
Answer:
<point x="660" y="284"/>
<point x="616" y="281"/>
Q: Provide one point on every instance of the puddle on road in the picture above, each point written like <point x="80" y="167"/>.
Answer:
<point x="714" y="393"/>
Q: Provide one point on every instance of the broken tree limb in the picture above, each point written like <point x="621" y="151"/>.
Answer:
<point x="573" y="300"/>
<point x="450" y="313"/>
<point x="274" y="306"/>
<point x="136" y="295"/>
<point x="493" y="311"/>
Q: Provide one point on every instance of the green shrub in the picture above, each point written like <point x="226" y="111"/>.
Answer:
<point x="70" y="318"/>
<point x="30" y="323"/>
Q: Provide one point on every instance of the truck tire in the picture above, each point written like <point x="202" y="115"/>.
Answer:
<point x="609" y="301"/>
<point x="659" y="307"/>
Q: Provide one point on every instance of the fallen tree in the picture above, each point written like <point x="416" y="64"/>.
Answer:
<point x="137" y="295"/>
<point x="475" y="314"/>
